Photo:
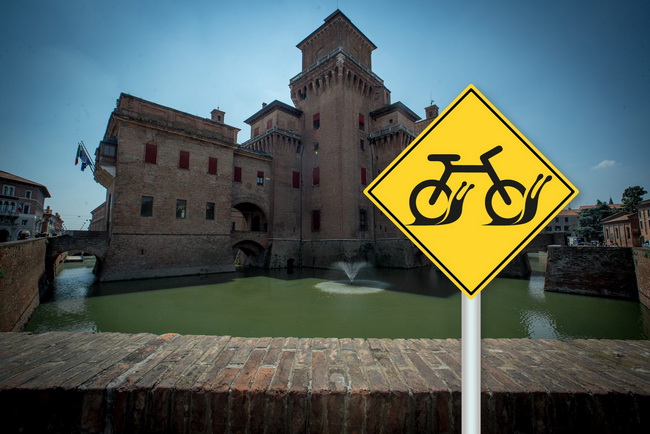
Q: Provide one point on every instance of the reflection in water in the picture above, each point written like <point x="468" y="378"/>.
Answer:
<point x="360" y="287"/>
<point x="415" y="303"/>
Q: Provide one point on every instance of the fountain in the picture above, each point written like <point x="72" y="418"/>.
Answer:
<point x="352" y="286"/>
<point x="351" y="269"/>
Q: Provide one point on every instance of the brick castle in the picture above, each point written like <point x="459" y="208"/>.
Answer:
<point x="183" y="197"/>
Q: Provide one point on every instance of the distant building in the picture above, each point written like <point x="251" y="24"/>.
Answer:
<point x="21" y="207"/>
<point x="566" y="221"/>
<point x="644" y="222"/>
<point x="98" y="219"/>
<point x="622" y="230"/>
<point x="183" y="197"/>
<point x="52" y="223"/>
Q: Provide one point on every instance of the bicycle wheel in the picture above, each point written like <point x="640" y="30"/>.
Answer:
<point x="515" y="206"/>
<point x="420" y="218"/>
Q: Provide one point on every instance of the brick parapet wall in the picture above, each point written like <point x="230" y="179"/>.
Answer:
<point x="22" y="274"/>
<point x="642" y="269"/>
<point x="110" y="382"/>
<point x="599" y="271"/>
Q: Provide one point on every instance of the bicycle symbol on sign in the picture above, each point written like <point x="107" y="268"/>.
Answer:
<point x="455" y="208"/>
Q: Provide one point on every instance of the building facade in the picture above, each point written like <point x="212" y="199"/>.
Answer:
<point x="644" y="222"/>
<point x="183" y="197"/>
<point x="622" y="230"/>
<point x="22" y="203"/>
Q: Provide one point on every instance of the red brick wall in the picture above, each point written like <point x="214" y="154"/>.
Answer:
<point x="22" y="269"/>
<point x="642" y="269"/>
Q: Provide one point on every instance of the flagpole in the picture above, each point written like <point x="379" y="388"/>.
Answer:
<point x="471" y="364"/>
<point x="90" y="161"/>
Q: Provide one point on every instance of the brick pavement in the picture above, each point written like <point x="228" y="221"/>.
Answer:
<point x="112" y="382"/>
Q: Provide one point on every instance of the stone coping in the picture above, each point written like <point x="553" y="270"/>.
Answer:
<point x="113" y="382"/>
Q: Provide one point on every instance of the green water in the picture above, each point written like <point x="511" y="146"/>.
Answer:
<point x="419" y="303"/>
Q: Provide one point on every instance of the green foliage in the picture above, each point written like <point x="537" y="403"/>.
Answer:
<point x="590" y="224"/>
<point x="631" y="198"/>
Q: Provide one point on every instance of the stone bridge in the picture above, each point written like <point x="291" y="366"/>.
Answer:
<point x="253" y="243"/>
<point x="94" y="242"/>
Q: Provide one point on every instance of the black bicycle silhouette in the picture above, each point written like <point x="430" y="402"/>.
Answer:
<point x="455" y="209"/>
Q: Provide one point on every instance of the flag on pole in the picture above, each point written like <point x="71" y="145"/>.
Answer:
<point x="76" y="160"/>
<point x="85" y="159"/>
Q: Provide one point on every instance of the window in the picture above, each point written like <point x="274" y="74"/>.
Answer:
<point x="316" y="176"/>
<point x="8" y="190"/>
<point x="181" y="208"/>
<point x="26" y="208"/>
<point x="24" y="222"/>
<point x="627" y="231"/>
<point x="362" y="122"/>
<point x="269" y="124"/>
<point x="184" y="160"/>
<point x="151" y="153"/>
<point x="362" y="144"/>
<point x="260" y="178"/>
<point x="146" y="206"/>
<point x="212" y="165"/>
<point x="557" y="220"/>
<point x="363" y="176"/>
<point x="558" y="228"/>
<point x="566" y="228"/>
<point x="237" y="174"/>
<point x="209" y="210"/>
<point x="107" y="150"/>
<point x="315" y="220"/>
<point x="566" y="219"/>
<point x="317" y="121"/>
<point x="256" y="132"/>
<point x="295" y="179"/>
<point x="363" y="220"/>
<point x="28" y="194"/>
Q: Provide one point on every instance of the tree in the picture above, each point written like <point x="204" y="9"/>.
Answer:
<point x="590" y="220"/>
<point x="631" y="198"/>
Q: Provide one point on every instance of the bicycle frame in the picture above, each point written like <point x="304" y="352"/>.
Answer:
<point x="486" y="167"/>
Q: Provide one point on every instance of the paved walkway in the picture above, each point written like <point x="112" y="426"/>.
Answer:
<point x="111" y="382"/>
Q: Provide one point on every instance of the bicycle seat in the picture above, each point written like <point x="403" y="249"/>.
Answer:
<point x="445" y="158"/>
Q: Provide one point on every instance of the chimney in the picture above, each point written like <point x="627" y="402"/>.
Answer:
<point x="263" y="104"/>
<point x="431" y="111"/>
<point x="218" y="115"/>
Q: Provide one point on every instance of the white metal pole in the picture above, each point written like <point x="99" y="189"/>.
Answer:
<point x="471" y="364"/>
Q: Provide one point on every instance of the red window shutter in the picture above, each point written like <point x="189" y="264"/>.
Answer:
<point x="363" y="176"/>
<point x="295" y="182"/>
<point x="256" y="132"/>
<point x="184" y="160"/>
<point x="260" y="174"/>
<point x="316" y="175"/>
<point x="212" y="166"/>
<point x="362" y="120"/>
<point x="317" y="117"/>
<point x="237" y="174"/>
<point x="151" y="153"/>
<point x="269" y="124"/>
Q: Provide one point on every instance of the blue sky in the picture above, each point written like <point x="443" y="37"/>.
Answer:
<point x="572" y="76"/>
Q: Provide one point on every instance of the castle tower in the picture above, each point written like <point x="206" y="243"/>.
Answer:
<point x="336" y="91"/>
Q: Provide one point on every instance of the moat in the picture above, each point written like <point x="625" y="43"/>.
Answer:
<point x="387" y="303"/>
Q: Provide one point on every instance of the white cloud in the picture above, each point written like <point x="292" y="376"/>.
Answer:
<point x="604" y="164"/>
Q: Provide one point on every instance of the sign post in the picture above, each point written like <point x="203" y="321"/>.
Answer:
<point x="471" y="192"/>
<point x="471" y="365"/>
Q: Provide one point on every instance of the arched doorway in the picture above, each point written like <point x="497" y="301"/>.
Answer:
<point x="4" y="236"/>
<point x="247" y="216"/>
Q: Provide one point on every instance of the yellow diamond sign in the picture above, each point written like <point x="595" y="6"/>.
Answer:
<point x="471" y="191"/>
